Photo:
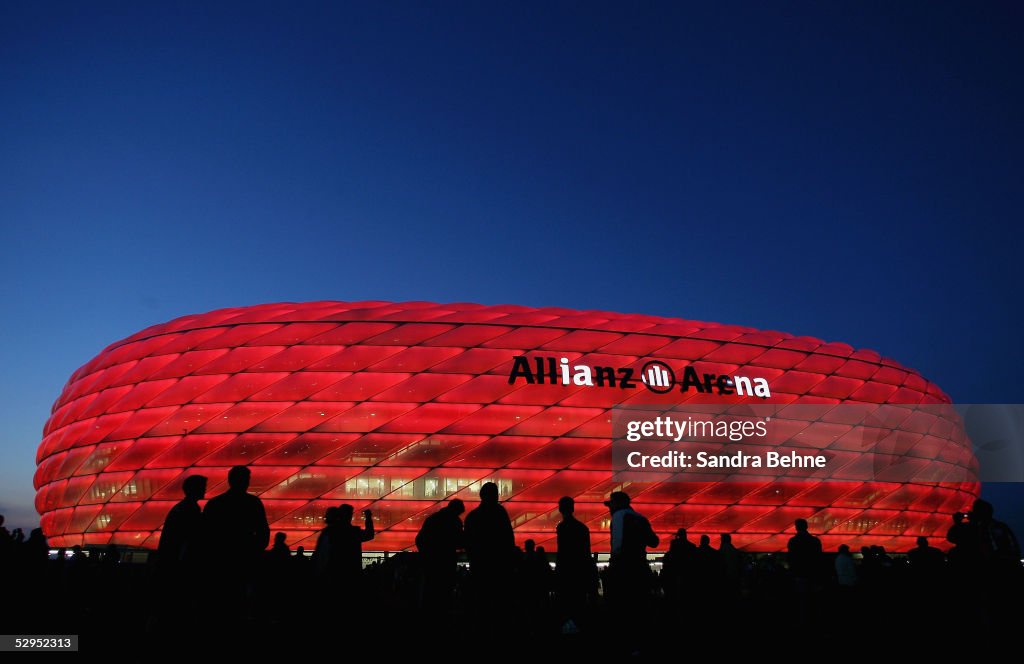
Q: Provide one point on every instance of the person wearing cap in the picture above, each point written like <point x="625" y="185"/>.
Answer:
<point x="631" y="532"/>
<point x="629" y="576"/>
<point x="631" y="535"/>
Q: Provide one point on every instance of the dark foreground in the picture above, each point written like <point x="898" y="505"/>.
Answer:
<point x="122" y="610"/>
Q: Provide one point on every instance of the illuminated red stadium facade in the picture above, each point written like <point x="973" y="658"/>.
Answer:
<point x="400" y="406"/>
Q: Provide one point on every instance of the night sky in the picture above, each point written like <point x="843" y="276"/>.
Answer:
<point x="850" y="171"/>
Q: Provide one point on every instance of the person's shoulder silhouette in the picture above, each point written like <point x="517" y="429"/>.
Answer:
<point x="182" y="529"/>
<point x="488" y="529"/>
<point x="236" y="520"/>
<point x="441" y="532"/>
<point x="572" y="536"/>
<point x="804" y="550"/>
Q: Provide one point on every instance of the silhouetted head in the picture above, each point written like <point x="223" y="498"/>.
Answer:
<point x="982" y="510"/>
<point x="922" y="541"/>
<point x="726" y="538"/>
<point x="279" y="539"/>
<point x="681" y="534"/>
<point x="530" y="545"/>
<point x="566" y="505"/>
<point x="332" y="516"/>
<point x="541" y="551"/>
<point x="345" y="513"/>
<point x="617" y="501"/>
<point x="843" y="548"/>
<point x="958" y="517"/>
<point x="801" y="525"/>
<point x="238" y="478"/>
<point x="489" y="493"/>
<point x="705" y="540"/>
<point x="194" y="487"/>
<point x="456" y="506"/>
<point x="300" y="551"/>
<point x="865" y="551"/>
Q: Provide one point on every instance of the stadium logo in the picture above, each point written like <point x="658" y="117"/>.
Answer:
<point x="655" y="375"/>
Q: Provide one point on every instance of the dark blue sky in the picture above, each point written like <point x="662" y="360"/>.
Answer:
<point x="850" y="171"/>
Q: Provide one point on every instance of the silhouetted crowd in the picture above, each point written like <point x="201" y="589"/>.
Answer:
<point x="216" y="575"/>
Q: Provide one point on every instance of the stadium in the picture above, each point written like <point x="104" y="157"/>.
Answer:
<point x="399" y="407"/>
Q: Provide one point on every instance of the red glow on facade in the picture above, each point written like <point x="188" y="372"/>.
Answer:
<point x="401" y="406"/>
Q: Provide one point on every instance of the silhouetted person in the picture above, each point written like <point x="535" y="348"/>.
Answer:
<point x="926" y="561"/>
<point x="869" y="570"/>
<point x="535" y="573"/>
<point x="179" y="557"/>
<point x="36" y="550"/>
<point x="300" y="561"/>
<point x="236" y="521"/>
<point x="490" y="544"/>
<point x="999" y="571"/>
<point x="732" y="566"/>
<point x="575" y="572"/>
<point x="805" y="562"/>
<point x="32" y="578"/>
<point x="845" y="596"/>
<point x="277" y="578"/>
<point x="996" y="541"/>
<point x="181" y="535"/>
<point x="678" y="566"/>
<point x="709" y="569"/>
<point x="631" y="534"/>
<point x="237" y="533"/>
<point x="280" y="554"/>
<point x="707" y="555"/>
<point x="926" y="575"/>
<point x="110" y="575"/>
<point x="6" y="545"/>
<point x="804" y="552"/>
<point x="964" y="538"/>
<point x="339" y="548"/>
<point x="438" y="542"/>
<point x="77" y="569"/>
<point x="846" y="570"/>
<point x="884" y="563"/>
<point x="629" y="575"/>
